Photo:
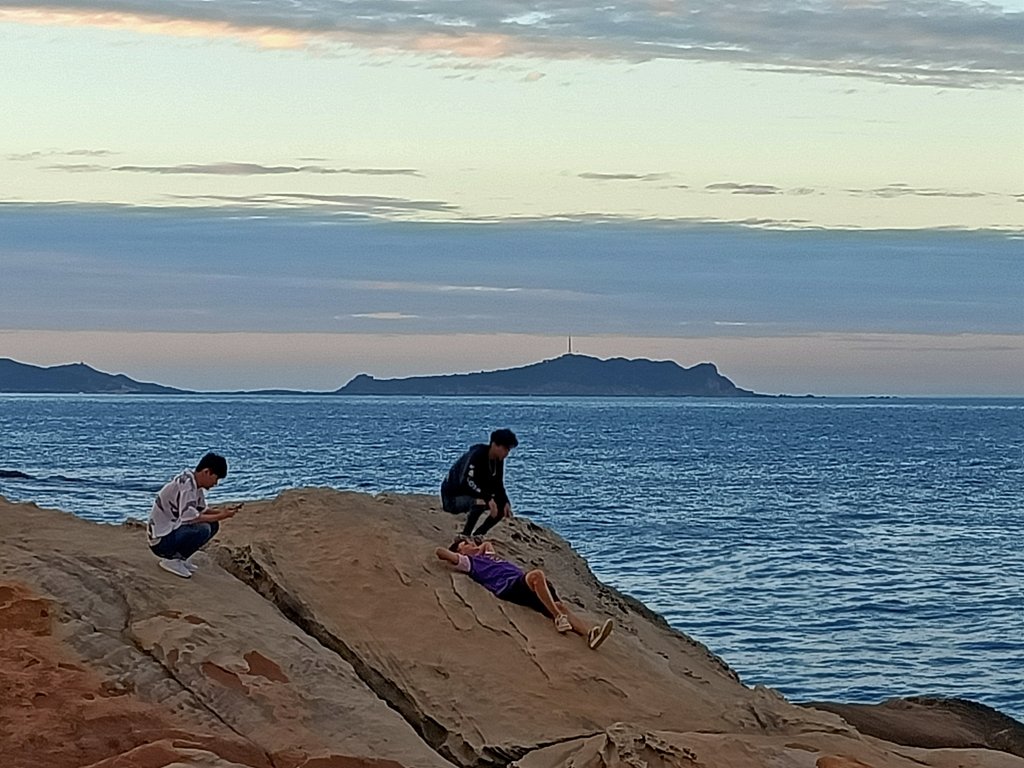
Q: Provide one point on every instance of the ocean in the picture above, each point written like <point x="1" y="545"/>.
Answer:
<point x="845" y="550"/>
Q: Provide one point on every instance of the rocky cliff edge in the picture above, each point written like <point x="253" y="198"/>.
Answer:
<point x="322" y="632"/>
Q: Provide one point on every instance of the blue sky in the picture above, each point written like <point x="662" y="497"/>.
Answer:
<point x="818" y="196"/>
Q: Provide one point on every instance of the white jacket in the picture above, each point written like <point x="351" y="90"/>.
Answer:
<point x="178" y="502"/>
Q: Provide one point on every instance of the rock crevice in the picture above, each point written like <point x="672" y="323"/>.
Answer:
<point x="249" y="568"/>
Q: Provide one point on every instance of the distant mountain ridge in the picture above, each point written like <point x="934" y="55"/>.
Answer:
<point x="73" y="378"/>
<point x="568" y="375"/>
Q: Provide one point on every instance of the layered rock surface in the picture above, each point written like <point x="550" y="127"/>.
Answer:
<point x="321" y="631"/>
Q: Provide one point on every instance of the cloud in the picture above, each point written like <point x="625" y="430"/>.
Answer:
<point x="399" y="286"/>
<point x="76" y="167"/>
<point x="903" y="190"/>
<point x="382" y="316"/>
<point x="368" y="205"/>
<point x="480" y="288"/>
<point x="886" y="192"/>
<point x="234" y="169"/>
<point x="623" y="176"/>
<point x="330" y="208"/>
<point x="326" y="209"/>
<point x="744" y="189"/>
<point x="941" y="43"/>
<point x="39" y="154"/>
<point x="68" y="268"/>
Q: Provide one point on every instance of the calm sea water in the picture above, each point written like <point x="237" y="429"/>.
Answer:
<point x="843" y="550"/>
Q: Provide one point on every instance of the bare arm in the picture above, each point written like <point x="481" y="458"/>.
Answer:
<point x="447" y="555"/>
<point x="217" y="516"/>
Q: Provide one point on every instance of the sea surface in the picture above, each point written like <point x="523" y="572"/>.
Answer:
<point x="847" y="550"/>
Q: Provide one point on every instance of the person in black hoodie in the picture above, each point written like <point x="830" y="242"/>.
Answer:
<point x="475" y="484"/>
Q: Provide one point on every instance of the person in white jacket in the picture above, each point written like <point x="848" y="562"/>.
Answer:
<point x="180" y="521"/>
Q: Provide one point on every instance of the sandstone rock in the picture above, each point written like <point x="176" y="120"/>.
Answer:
<point x="625" y="746"/>
<point x="218" y="661"/>
<point x="322" y="632"/>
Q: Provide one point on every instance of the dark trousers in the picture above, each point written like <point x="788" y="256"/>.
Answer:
<point x="185" y="540"/>
<point x="473" y="508"/>
<point x="475" y="514"/>
<point x="458" y="505"/>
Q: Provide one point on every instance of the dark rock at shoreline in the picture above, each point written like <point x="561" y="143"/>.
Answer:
<point x="932" y="722"/>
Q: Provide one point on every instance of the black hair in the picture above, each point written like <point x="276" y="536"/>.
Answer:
<point x="454" y="547"/>
<point x="215" y="463"/>
<point x="505" y="438"/>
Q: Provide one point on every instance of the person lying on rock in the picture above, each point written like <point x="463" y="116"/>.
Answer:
<point x="179" y="523"/>
<point x="475" y="484"/>
<point x="509" y="582"/>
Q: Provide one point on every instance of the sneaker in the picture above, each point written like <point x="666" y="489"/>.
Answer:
<point x="177" y="567"/>
<point x="562" y="623"/>
<point x="192" y="567"/>
<point x="598" y="635"/>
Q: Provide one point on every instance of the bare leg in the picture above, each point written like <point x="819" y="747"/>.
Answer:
<point x="577" y="625"/>
<point x="538" y="584"/>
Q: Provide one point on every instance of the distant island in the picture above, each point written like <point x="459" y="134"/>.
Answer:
<point x="75" y="378"/>
<point x="568" y="375"/>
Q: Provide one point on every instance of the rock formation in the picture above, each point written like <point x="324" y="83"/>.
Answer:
<point x="565" y="376"/>
<point x="322" y="632"/>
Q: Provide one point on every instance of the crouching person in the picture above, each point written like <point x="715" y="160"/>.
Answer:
<point x="180" y="523"/>
<point x="508" y="581"/>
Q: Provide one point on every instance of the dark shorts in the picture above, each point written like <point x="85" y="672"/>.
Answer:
<point x="458" y="505"/>
<point x="519" y="592"/>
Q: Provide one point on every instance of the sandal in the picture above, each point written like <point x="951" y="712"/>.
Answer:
<point x="562" y="623"/>
<point x="598" y="635"/>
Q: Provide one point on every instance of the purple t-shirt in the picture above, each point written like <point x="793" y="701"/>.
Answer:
<point x="495" y="574"/>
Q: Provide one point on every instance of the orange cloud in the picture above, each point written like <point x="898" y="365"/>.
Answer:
<point x="465" y="44"/>
<point x="474" y="46"/>
<point x="261" y="36"/>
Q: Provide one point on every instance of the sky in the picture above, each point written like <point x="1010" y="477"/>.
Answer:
<point x="819" y="197"/>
